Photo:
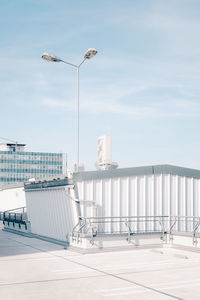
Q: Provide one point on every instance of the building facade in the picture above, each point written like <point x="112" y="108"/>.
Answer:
<point x="18" y="165"/>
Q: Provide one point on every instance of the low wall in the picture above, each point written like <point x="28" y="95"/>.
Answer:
<point x="12" y="197"/>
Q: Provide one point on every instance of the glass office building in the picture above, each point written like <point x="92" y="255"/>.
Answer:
<point x="18" y="165"/>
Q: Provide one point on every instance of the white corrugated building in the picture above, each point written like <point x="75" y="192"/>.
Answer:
<point x="152" y="190"/>
<point x="54" y="207"/>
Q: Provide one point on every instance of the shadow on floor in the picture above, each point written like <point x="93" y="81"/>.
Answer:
<point x="13" y="244"/>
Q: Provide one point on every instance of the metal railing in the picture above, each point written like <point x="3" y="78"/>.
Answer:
<point x="128" y="226"/>
<point x="118" y="226"/>
<point x="131" y="227"/>
<point x="187" y="225"/>
<point x="17" y="215"/>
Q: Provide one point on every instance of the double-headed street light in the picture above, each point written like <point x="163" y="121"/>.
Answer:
<point x="91" y="52"/>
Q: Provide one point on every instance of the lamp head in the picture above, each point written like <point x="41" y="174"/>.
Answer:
<point x="50" y="57"/>
<point x="91" y="52"/>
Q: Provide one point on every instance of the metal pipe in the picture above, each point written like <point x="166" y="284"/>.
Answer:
<point x="91" y="52"/>
<point x="78" y="125"/>
<point x="78" y="106"/>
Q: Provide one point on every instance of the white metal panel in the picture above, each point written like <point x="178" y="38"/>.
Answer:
<point x="190" y="196"/>
<point x="124" y="194"/>
<point x="107" y="201"/>
<point x="160" y="194"/>
<point x="81" y="196"/>
<point x="141" y="200"/>
<point x="115" y="197"/>
<point x="190" y="201"/>
<point x="196" y="197"/>
<point x="133" y="196"/>
<point x="182" y="204"/>
<point x="97" y="195"/>
<point x="149" y="199"/>
<point x="50" y="212"/>
<point x="174" y="211"/>
<point x="88" y="195"/>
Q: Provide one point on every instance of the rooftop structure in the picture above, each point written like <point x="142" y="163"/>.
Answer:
<point x="12" y="147"/>
<point x="122" y="206"/>
<point x="104" y="149"/>
<point x="115" y="203"/>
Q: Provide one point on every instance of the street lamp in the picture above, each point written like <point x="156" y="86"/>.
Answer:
<point x="91" y="52"/>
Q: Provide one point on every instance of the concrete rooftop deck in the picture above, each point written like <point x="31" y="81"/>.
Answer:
<point x="34" y="269"/>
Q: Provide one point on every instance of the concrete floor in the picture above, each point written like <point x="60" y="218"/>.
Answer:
<point x="37" y="270"/>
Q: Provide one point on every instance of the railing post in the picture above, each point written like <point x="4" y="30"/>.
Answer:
<point x="171" y="227"/>
<point x="126" y="222"/>
<point x="196" y="227"/>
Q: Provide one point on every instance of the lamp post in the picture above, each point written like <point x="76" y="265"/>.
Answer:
<point x="91" y="52"/>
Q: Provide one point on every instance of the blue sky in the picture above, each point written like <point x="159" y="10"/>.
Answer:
<point x="143" y="87"/>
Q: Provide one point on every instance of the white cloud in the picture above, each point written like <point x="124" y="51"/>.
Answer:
<point x="107" y="101"/>
<point x="97" y="105"/>
<point x="92" y="106"/>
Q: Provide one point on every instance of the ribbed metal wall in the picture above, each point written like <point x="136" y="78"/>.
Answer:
<point x="53" y="213"/>
<point x="50" y="212"/>
<point x="148" y="195"/>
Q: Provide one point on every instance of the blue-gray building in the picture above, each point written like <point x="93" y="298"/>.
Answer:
<point x="18" y="165"/>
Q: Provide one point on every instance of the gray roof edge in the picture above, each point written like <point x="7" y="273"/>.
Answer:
<point x="137" y="171"/>
<point x="47" y="184"/>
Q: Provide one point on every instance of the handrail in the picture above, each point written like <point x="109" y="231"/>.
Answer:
<point x="128" y="225"/>
<point x="14" y="209"/>
<point x="12" y="215"/>
<point x="130" y="217"/>
<point x="186" y="224"/>
<point x="133" y="225"/>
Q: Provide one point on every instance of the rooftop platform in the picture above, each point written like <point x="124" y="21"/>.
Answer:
<point x="35" y="269"/>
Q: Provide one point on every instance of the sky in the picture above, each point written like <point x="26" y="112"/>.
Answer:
<point x="142" y="88"/>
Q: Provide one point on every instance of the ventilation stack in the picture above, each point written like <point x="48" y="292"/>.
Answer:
<point x="105" y="154"/>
